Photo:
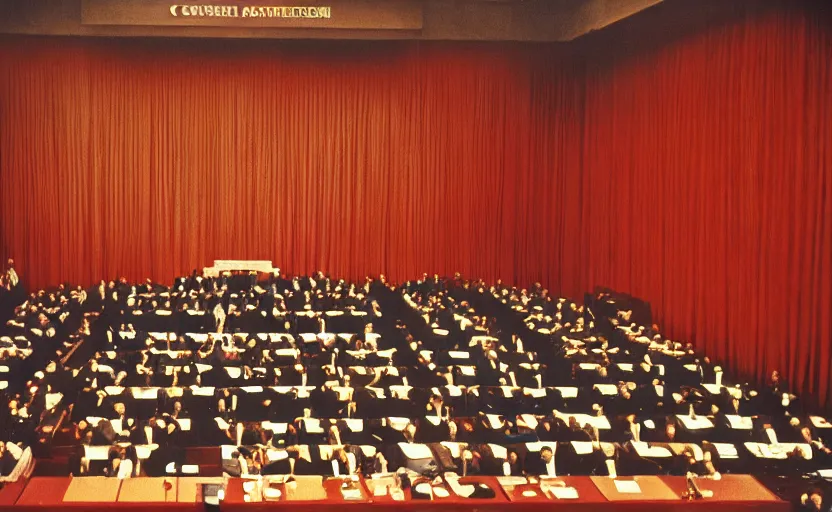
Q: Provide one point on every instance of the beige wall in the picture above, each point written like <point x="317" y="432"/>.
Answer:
<point x="475" y="20"/>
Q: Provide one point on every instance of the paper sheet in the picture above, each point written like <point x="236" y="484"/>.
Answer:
<point x="565" y="493"/>
<point x="627" y="487"/>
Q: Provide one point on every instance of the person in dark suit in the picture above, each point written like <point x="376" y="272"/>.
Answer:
<point x="542" y="463"/>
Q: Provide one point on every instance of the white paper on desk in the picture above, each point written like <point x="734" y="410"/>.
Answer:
<point x="564" y="493"/>
<point x="511" y="481"/>
<point x="380" y="490"/>
<point x="493" y="421"/>
<point x="599" y="422"/>
<point x="695" y="423"/>
<point x="607" y="389"/>
<point x="739" y="422"/>
<point x="627" y="487"/>
<point x="645" y="450"/>
<point x="351" y="494"/>
<point x="568" y="392"/>
<point x="726" y="450"/>
<point x="529" y="420"/>
<point x="820" y="422"/>
<point x="202" y="391"/>
<point x="454" y="390"/>
<point x="582" y="447"/>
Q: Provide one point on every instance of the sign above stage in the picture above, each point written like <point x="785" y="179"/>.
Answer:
<point x="250" y="11"/>
<point x="347" y="14"/>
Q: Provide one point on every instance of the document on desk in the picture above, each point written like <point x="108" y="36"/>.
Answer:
<point x="564" y="493"/>
<point x="351" y="494"/>
<point x="510" y="481"/>
<point x="627" y="487"/>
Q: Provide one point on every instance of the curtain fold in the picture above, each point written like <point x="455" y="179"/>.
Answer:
<point x="695" y="173"/>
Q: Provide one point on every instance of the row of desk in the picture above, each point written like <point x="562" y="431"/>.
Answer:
<point x="731" y="493"/>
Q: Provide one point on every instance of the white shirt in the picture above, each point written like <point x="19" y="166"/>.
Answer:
<point x="125" y="469"/>
<point x="635" y="428"/>
<point x="13" y="279"/>
<point x="550" y="467"/>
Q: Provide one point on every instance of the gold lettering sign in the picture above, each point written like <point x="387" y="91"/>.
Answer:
<point x="249" y="11"/>
<point x="254" y="14"/>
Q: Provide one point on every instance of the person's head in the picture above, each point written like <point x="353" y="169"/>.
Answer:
<point x="806" y="433"/>
<point x="51" y="367"/>
<point x="546" y="454"/>
<point x="410" y="431"/>
<point x="340" y="454"/>
<point x="119" y="408"/>
<point x="775" y="377"/>
<point x="177" y="407"/>
<point x="368" y="328"/>
<point x="512" y="457"/>
<point x="670" y="430"/>
<point x="436" y="399"/>
<point x="94" y="365"/>
<point x="334" y="434"/>
<point x="816" y="498"/>
<point x="221" y="405"/>
<point x="10" y="263"/>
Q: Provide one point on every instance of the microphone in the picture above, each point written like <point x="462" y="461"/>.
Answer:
<point x="694" y="492"/>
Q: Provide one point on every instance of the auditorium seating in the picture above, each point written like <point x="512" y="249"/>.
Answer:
<point x="313" y="376"/>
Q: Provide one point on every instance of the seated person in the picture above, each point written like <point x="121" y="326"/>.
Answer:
<point x="344" y="462"/>
<point x="540" y="463"/>
<point x="10" y="453"/>
<point x="514" y="466"/>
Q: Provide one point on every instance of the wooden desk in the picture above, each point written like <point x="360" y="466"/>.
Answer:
<point x="727" y="488"/>
<point x="652" y="489"/>
<point x="45" y="491"/>
<point x="187" y="488"/>
<point x="587" y="491"/>
<point x="148" y="490"/>
<point x="10" y="493"/>
<point x="92" y="489"/>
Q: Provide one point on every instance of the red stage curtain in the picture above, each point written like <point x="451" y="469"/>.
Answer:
<point x="154" y="158"/>
<point x="707" y="189"/>
<point x="695" y="173"/>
